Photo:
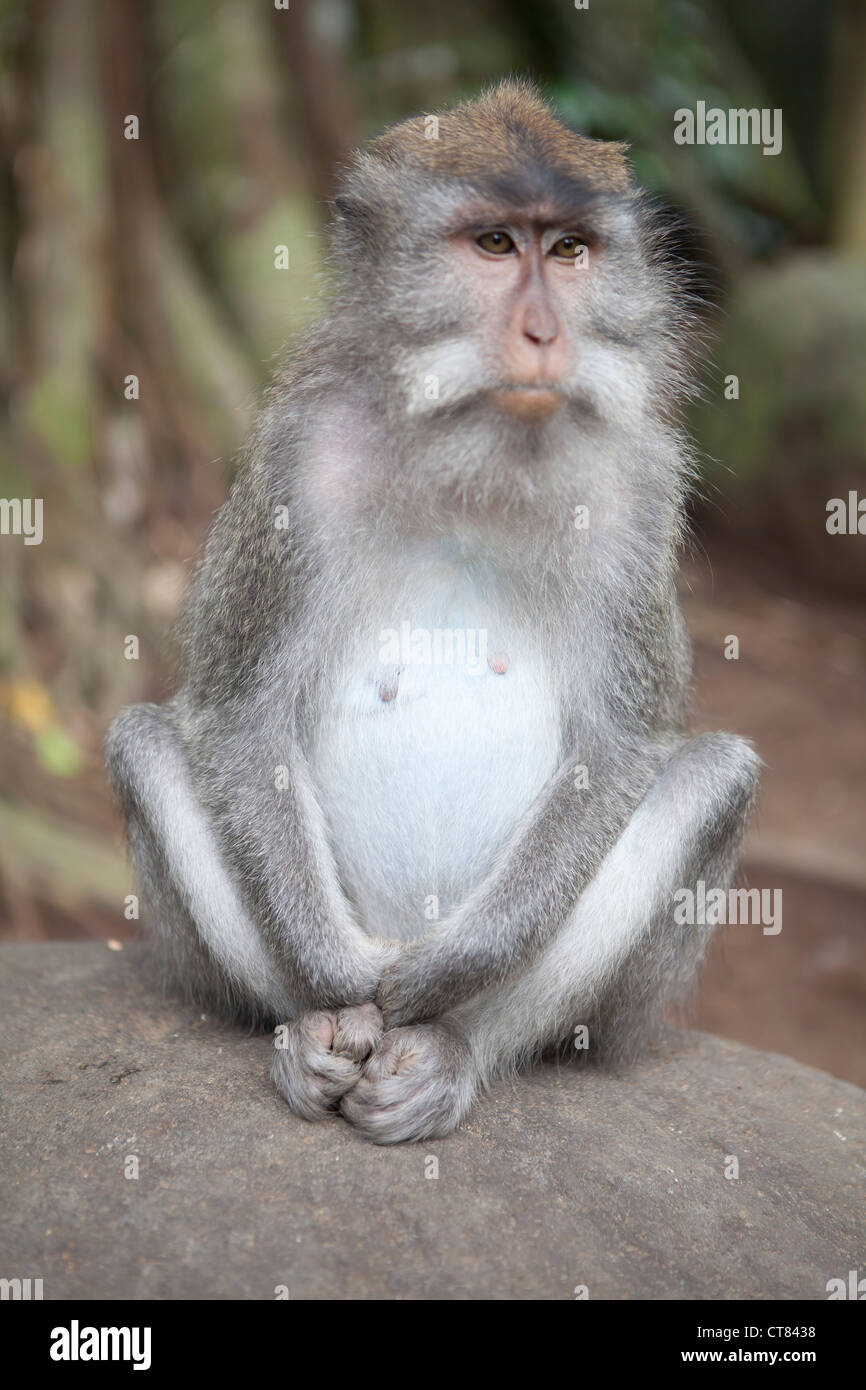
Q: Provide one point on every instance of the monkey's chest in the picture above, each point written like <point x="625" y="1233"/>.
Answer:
<point x="426" y="762"/>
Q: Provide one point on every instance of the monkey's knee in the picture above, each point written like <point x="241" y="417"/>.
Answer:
<point x="729" y="768"/>
<point x="140" y="737"/>
<point x="717" y="773"/>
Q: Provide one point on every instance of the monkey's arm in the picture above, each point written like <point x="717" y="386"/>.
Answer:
<point x="275" y="831"/>
<point x="516" y="911"/>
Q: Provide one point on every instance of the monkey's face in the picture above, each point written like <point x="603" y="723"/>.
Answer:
<point x="540" y="317"/>
<point x="521" y="274"/>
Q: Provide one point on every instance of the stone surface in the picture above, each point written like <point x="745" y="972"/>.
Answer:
<point x="564" y="1177"/>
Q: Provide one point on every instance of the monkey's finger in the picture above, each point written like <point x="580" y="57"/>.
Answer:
<point x="358" y="1030"/>
<point x="396" y="1051"/>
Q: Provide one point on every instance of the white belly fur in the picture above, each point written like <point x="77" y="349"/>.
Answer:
<point x="421" y="791"/>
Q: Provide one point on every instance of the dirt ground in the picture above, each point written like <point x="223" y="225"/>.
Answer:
<point x="798" y="690"/>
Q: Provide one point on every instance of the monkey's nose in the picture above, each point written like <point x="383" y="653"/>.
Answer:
<point x="540" y="324"/>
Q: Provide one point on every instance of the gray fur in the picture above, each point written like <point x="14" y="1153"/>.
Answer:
<point x="281" y="875"/>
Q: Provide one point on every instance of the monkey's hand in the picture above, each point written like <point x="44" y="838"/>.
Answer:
<point x="318" y="1057"/>
<point x="417" y="1084"/>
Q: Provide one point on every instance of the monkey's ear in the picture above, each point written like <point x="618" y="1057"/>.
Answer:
<point x="351" y="210"/>
<point x="353" y="220"/>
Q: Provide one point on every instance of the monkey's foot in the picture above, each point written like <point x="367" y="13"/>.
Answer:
<point x="319" y="1057"/>
<point x="418" y="1084"/>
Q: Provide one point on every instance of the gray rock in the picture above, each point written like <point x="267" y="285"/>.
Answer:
<point x="565" y="1177"/>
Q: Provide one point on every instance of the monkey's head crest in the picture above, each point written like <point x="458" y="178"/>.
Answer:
<point x="509" y="130"/>
<point x="506" y="145"/>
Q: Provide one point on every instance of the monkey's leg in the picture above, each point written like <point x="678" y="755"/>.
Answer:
<point x="619" y="959"/>
<point x="208" y="935"/>
<point x="211" y="943"/>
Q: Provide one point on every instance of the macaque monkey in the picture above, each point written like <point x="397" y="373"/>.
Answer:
<point x="426" y="793"/>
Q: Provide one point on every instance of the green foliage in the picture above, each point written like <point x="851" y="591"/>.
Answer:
<point x="273" y="304"/>
<point x="57" y="752"/>
<point x="56" y="414"/>
<point x="795" y="336"/>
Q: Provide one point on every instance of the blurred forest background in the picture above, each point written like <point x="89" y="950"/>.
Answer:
<point x="156" y="257"/>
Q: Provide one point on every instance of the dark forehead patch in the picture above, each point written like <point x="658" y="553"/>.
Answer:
<point x="509" y="133"/>
<point x="537" y="193"/>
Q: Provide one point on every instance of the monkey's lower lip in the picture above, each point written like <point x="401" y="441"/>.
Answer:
<point x="529" y="402"/>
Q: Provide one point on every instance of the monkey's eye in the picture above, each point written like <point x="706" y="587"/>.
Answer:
<point x="568" y="248"/>
<point x="495" y="243"/>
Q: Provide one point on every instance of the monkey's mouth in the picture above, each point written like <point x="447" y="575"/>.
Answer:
<point x="528" y="401"/>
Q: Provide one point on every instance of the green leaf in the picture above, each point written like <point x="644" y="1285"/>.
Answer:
<point x="57" y="751"/>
